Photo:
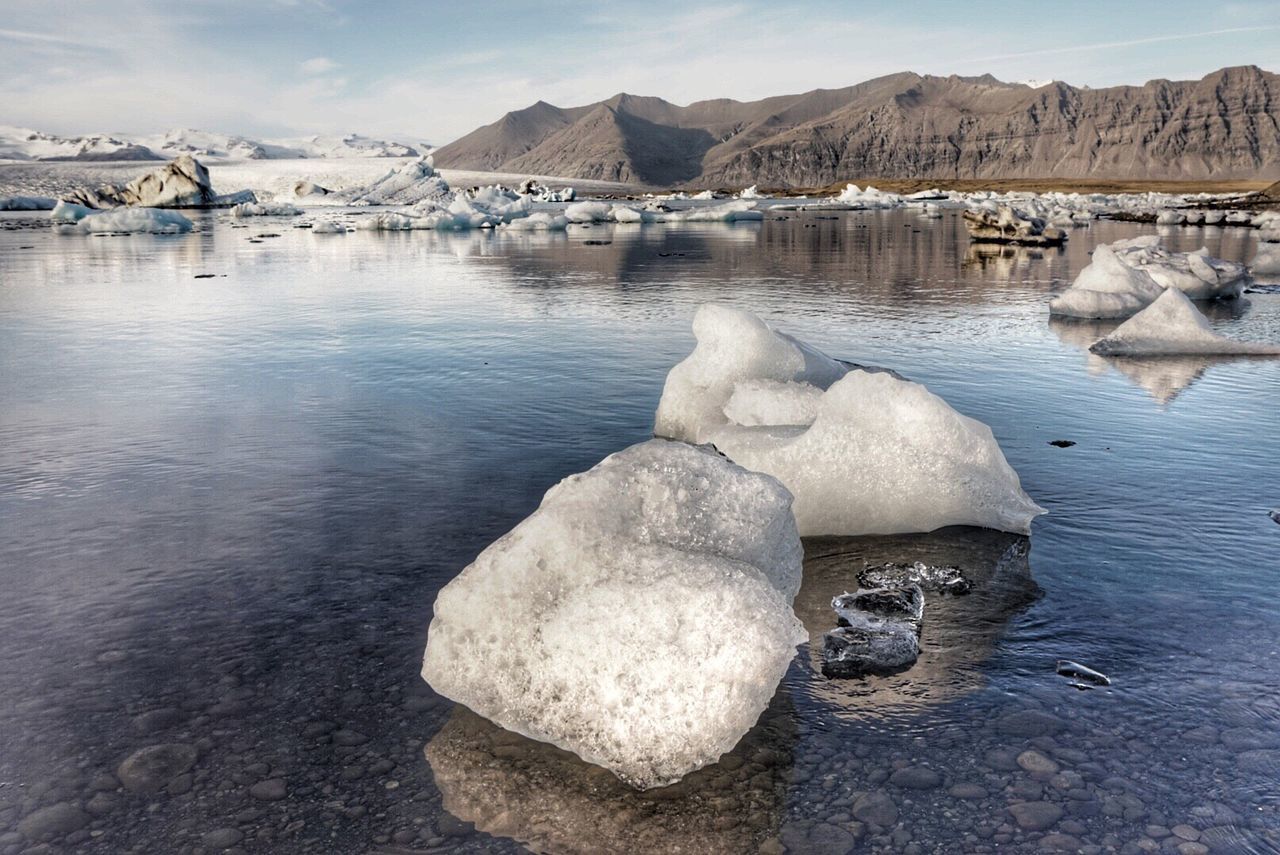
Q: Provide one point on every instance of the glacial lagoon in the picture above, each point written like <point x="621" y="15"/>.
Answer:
<point x="237" y="465"/>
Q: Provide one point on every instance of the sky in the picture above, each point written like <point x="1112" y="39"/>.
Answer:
<point x="431" y="72"/>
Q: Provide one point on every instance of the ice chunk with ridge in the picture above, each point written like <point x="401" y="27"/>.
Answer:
<point x="863" y="452"/>
<point x="640" y="617"/>
<point x="1197" y="274"/>
<point x="1107" y="288"/>
<point x="1173" y="326"/>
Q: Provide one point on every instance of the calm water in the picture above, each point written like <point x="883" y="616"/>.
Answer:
<point x="227" y="503"/>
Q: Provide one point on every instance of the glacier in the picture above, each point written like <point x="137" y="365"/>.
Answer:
<point x="863" y="451"/>
<point x="654" y="692"/>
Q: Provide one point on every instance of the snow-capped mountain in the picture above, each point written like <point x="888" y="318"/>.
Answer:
<point x="26" y="144"/>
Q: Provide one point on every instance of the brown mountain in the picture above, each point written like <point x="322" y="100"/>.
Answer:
<point x="1225" y="126"/>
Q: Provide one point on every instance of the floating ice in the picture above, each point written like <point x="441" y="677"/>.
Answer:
<point x="1196" y="274"/>
<point x="27" y="203"/>
<point x="148" y="220"/>
<point x="411" y="184"/>
<point x="855" y="196"/>
<point x="1107" y="288"/>
<point x="1011" y="225"/>
<point x="539" y="221"/>
<point x="946" y="579"/>
<point x="588" y="212"/>
<point x="863" y="452"/>
<point x="69" y="212"/>
<point x="181" y="183"/>
<point x="1172" y="326"/>
<point x="752" y="193"/>
<point x="328" y="227"/>
<point x="264" y="209"/>
<point x="653" y="619"/>
<point x="1266" y="261"/>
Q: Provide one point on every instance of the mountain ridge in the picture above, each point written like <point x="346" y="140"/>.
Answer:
<point x="1224" y="126"/>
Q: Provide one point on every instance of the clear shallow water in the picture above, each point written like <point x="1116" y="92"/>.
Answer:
<point x="226" y="505"/>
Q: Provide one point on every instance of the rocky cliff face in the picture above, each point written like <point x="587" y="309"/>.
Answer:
<point x="1225" y="126"/>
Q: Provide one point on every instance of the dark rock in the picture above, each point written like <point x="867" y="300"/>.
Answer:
<point x="221" y="838"/>
<point x="1076" y="671"/>
<point x="270" y="790"/>
<point x="1035" y="816"/>
<point x="149" y="769"/>
<point x="52" y="822"/>
<point x="1061" y="443"/>
<point x="915" y="778"/>
<point x="1029" y="723"/>
<point x="876" y="808"/>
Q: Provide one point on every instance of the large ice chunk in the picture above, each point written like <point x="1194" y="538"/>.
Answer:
<point x="863" y="452"/>
<point x="120" y="220"/>
<point x="736" y="347"/>
<point x="1266" y="261"/>
<point x="640" y="617"/>
<point x="415" y="182"/>
<point x="1172" y="326"/>
<point x="1196" y="274"/>
<point x="1107" y="288"/>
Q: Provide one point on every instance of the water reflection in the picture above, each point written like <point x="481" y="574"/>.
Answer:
<point x="960" y="632"/>
<point x="548" y="800"/>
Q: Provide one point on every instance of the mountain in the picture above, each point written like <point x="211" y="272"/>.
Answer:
<point x="26" y="144"/>
<point x="906" y="125"/>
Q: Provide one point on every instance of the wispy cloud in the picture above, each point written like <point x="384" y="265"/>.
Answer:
<point x="317" y="65"/>
<point x="1127" y="43"/>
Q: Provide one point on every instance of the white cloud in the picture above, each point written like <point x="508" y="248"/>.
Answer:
<point x="317" y="65"/>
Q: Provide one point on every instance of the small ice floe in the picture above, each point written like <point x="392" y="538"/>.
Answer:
<point x="878" y="632"/>
<point x="1266" y="261"/>
<point x="540" y="221"/>
<point x="264" y="209"/>
<point x="27" y="203"/>
<point x="121" y="220"/>
<point x="1107" y="288"/>
<point x="1010" y="225"/>
<point x="864" y="452"/>
<point x="588" y="212"/>
<point x="1173" y="326"/>
<point x="702" y="558"/>
<point x="944" y="579"/>
<point x="69" y="212"/>
<point x="1169" y="217"/>
<point x="304" y="189"/>
<point x="531" y="188"/>
<point x="752" y="193"/>
<point x="856" y="197"/>
<point x="704" y="196"/>
<point x="328" y="227"/>
<point x="1083" y="673"/>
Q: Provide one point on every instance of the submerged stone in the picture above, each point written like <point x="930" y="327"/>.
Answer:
<point x="872" y="647"/>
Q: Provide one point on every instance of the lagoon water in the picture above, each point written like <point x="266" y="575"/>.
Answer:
<point x="227" y="504"/>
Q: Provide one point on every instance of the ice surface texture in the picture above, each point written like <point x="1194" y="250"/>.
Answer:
<point x="1107" y="288"/>
<point x="1266" y="261"/>
<point x="863" y="452"/>
<point x="1172" y="326"/>
<point x="640" y="617"/>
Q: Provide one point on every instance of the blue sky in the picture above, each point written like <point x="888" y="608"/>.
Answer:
<point x="431" y="72"/>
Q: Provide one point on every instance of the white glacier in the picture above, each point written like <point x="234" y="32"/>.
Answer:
<point x="863" y="452"/>
<point x="1172" y="326"/>
<point x="651" y="620"/>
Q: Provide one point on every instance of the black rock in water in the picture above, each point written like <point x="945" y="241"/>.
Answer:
<point x="1062" y="443"/>
<point x="1076" y="671"/>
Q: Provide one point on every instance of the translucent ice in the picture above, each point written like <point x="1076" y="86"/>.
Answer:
<point x="1107" y="288"/>
<point x="863" y="452"/>
<point x="640" y="617"/>
<point x="152" y="220"/>
<point x="1172" y="326"/>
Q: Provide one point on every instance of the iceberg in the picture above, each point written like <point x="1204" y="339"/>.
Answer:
<point x="264" y="209"/>
<point x="655" y="621"/>
<point x="1172" y="326"/>
<point x="411" y="184"/>
<point x="1010" y="225"/>
<point x="862" y="451"/>
<point x="328" y="227"/>
<point x="1107" y="288"/>
<point x="587" y="212"/>
<point x="540" y="221"/>
<point x="145" y="220"/>
<point x="69" y="212"/>
<point x="1196" y="274"/>
<point x="27" y="203"/>
<point x="855" y="196"/>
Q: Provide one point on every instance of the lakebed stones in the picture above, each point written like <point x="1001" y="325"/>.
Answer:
<point x="52" y="822"/>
